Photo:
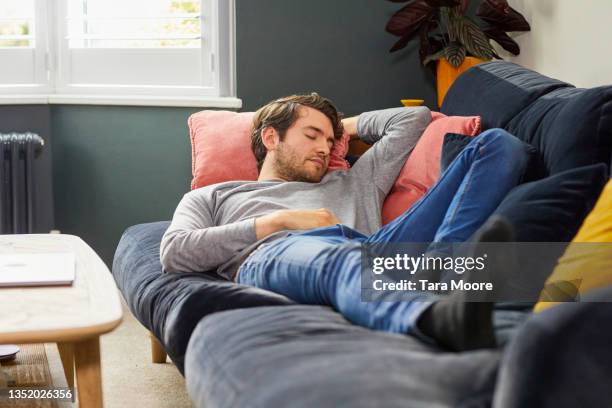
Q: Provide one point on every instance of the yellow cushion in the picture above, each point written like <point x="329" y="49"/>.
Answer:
<point x="585" y="266"/>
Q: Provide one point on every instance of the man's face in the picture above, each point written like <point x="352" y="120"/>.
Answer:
<point x="303" y="155"/>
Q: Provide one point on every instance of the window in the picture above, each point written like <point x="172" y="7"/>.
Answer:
<point x="148" y="48"/>
<point x="22" y="47"/>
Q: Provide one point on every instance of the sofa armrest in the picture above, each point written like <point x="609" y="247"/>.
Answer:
<point x="170" y="305"/>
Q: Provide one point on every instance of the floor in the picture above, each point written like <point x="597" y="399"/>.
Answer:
<point x="129" y="379"/>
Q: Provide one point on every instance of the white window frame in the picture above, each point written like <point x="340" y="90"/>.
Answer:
<point x="53" y="69"/>
<point x="35" y="58"/>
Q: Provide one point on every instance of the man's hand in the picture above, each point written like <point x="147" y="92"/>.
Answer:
<point x="350" y="126"/>
<point x="294" y="220"/>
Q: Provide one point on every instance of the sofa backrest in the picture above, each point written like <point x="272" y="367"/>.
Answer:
<point x="570" y="127"/>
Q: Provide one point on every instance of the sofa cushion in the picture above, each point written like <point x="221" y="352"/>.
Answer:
<point x="570" y="128"/>
<point x="422" y="168"/>
<point x="552" y="209"/>
<point x="497" y="91"/>
<point x="548" y="210"/>
<point x="453" y="144"/>
<point x="310" y="356"/>
<point x="587" y="261"/>
<point x="221" y="148"/>
<point x="172" y="304"/>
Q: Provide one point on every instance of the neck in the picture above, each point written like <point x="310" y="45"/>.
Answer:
<point x="268" y="172"/>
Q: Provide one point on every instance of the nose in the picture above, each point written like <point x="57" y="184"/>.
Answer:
<point x="323" y="147"/>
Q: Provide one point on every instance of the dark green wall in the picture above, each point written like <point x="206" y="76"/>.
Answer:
<point x="119" y="166"/>
<point x="338" y="48"/>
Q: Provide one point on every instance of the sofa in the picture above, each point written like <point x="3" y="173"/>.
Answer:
<point x="240" y="346"/>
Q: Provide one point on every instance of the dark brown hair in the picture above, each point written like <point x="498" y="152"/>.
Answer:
<point x="282" y="113"/>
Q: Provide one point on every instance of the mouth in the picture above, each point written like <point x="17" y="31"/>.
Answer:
<point x="319" y="162"/>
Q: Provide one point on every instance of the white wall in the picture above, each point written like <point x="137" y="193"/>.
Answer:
<point x="570" y="40"/>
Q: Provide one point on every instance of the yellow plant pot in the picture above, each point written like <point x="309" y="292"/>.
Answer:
<point x="447" y="73"/>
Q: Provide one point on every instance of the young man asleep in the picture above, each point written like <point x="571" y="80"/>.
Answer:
<point x="299" y="232"/>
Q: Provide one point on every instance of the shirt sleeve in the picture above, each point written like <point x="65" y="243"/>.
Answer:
<point x="193" y="243"/>
<point x="394" y="133"/>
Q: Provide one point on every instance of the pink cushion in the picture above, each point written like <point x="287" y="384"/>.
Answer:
<point x="422" y="168"/>
<point x="221" y="148"/>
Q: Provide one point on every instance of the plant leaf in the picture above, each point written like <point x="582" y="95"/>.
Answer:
<point x="452" y="28"/>
<point x="464" y="6"/>
<point x="434" y="57"/>
<point x="401" y="43"/>
<point x="475" y="41"/>
<point x="455" y="53"/>
<point x="504" y="19"/>
<point x="500" y="5"/>
<point x="503" y="39"/>
<point x="429" y="44"/>
<point x="409" y="18"/>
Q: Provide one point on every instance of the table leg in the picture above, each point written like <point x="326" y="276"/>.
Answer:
<point x="88" y="375"/>
<point x="66" y="352"/>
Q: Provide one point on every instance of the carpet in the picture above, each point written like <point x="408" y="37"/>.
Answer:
<point x="129" y="379"/>
<point x="29" y="369"/>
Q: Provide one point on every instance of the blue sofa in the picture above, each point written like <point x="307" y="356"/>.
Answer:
<point x="241" y="346"/>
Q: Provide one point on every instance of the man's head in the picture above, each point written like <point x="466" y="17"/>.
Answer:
<point x="292" y="137"/>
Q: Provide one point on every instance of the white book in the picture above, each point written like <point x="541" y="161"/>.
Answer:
<point x="37" y="269"/>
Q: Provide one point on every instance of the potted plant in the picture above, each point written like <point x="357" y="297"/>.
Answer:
<point x="450" y="36"/>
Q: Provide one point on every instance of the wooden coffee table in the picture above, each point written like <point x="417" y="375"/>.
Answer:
<point x="74" y="316"/>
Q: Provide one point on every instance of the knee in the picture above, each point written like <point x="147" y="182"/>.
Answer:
<point x="504" y="143"/>
<point x="510" y="150"/>
<point x="501" y="138"/>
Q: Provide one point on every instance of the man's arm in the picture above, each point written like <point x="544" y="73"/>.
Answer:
<point x="394" y="133"/>
<point x="293" y="220"/>
<point x="193" y="243"/>
<point x="350" y="126"/>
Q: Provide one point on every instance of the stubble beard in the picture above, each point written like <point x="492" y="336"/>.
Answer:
<point x="286" y="165"/>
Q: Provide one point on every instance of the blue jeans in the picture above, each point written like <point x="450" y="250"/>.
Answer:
<point x="323" y="266"/>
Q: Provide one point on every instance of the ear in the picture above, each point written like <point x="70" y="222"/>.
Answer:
<point x="270" y="138"/>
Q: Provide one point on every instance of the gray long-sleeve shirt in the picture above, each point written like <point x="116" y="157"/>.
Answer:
<point x="213" y="227"/>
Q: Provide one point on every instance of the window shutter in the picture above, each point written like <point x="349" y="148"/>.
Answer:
<point x="23" y="47"/>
